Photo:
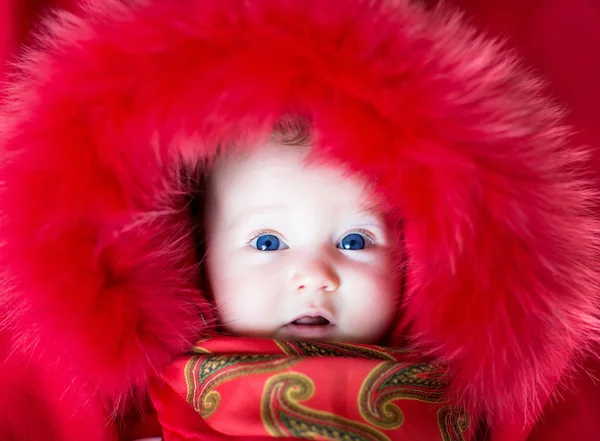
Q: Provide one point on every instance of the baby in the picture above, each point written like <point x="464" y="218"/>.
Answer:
<point x="297" y="249"/>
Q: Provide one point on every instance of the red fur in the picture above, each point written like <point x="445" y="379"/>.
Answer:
<point x="96" y="242"/>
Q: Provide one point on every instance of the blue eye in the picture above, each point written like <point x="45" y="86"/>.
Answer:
<point x="268" y="242"/>
<point x="353" y="242"/>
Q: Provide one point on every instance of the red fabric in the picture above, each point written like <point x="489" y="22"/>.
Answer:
<point x="96" y="247"/>
<point x="240" y="388"/>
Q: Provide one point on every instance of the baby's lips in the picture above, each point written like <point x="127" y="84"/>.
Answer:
<point x="313" y="316"/>
<point x="311" y="321"/>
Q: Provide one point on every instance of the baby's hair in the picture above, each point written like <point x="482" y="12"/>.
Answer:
<point x="292" y="130"/>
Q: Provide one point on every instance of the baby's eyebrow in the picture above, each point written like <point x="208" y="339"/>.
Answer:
<point x="373" y="218"/>
<point x="371" y="208"/>
<point x="254" y="210"/>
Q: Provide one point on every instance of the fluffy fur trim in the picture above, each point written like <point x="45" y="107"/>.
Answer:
<point x="111" y="112"/>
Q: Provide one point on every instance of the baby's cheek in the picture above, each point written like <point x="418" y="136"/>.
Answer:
<point x="371" y="301"/>
<point x="248" y="301"/>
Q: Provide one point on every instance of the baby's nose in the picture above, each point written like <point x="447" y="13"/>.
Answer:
<point x="315" y="275"/>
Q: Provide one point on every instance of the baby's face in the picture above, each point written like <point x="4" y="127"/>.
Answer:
<point x="297" y="251"/>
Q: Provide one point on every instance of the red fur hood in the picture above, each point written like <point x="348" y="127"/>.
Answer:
<point x="111" y="113"/>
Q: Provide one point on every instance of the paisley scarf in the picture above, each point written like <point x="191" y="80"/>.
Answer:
<point x="246" y="388"/>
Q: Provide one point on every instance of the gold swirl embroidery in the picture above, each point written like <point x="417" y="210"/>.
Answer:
<point x="282" y="413"/>
<point x="453" y="422"/>
<point x="284" y="416"/>
<point x="313" y="349"/>
<point x="198" y="348"/>
<point x="204" y="374"/>
<point x="389" y="382"/>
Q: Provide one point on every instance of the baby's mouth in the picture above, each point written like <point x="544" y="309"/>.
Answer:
<point x="310" y="321"/>
<point x="308" y="327"/>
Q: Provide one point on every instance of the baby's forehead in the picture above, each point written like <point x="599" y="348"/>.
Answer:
<point x="274" y="174"/>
